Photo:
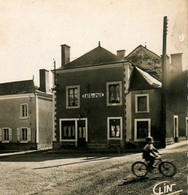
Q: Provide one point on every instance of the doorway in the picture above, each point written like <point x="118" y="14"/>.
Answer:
<point x="176" y="130"/>
<point x="81" y="133"/>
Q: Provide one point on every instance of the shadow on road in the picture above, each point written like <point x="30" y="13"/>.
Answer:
<point x="45" y="156"/>
<point x="78" y="162"/>
<point x="137" y="180"/>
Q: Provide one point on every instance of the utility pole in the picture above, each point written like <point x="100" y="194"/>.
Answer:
<point x="164" y="82"/>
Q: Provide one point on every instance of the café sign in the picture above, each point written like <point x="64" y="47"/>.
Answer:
<point x="92" y="95"/>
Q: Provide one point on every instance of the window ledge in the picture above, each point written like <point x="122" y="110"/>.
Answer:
<point x="138" y="112"/>
<point x="22" y="118"/>
<point x="5" y="142"/>
<point x="23" y="141"/>
<point x="119" y="138"/>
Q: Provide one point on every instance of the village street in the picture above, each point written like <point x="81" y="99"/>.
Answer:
<point x="49" y="173"/>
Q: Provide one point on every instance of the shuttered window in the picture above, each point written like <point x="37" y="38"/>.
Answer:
<point x="23" y="111"/>
<point x="24" y="134"/>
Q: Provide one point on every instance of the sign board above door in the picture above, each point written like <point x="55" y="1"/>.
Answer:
<point x="92" y="95"/>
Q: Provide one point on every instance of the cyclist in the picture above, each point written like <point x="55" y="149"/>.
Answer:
<point x="150" y="152"/>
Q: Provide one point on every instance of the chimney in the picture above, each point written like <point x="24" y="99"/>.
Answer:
<point x="121" y="54"/>
<point x="44" y="80"/>
<point x="176" y="62"/>
<point x="65" y="55"/>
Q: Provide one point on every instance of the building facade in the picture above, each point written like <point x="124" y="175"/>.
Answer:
<point x="26" y="114"/>
<point x="104" y="101"/>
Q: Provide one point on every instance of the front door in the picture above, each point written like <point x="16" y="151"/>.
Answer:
<point x="81" y="133"/>
<point x="176" y="132"/>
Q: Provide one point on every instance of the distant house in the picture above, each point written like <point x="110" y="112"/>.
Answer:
<point x="104" y="101"/>
<point x="147" y="60"/>
<point x="177" y="104"/>
<point x="26" y="114"/>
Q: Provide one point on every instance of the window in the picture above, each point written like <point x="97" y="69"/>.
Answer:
<point x="142" y="103"/>
<point x="114" y="127"/>
<point x="142" y="128"/>
<point x="24" y="111"/>
<point x="24" y="134"/>
<point x="68" y="130"/>
<point x="186" y="120"/>
<point x="73" y="97"/>
<point x="114" y="93"/>
<point x="6" y="135"/>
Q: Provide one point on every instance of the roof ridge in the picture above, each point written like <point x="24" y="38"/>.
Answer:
<point x="16" y="81"/>
<point x="144" y="48"/>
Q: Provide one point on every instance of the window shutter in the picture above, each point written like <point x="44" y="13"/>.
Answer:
<point x="29" y="134"/>
<point x="18" y="134"/>
<point x="10" y="134"/>
<point x="1" y="135"/>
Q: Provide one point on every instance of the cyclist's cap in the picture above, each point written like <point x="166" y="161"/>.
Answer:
<point x="149" y="138"/>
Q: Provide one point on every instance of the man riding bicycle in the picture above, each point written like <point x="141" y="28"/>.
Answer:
<point x="150" y="152"/>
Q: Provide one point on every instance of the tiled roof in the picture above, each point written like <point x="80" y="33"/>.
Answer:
<point x="17" y="87"/>
<point x="97" y="56"/>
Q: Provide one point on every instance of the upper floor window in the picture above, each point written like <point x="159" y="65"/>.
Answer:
<point x="114" y="93"/>
<point x="24" y="111"/>
<point x="142" y="103"/>
<point x="73" y="96"/>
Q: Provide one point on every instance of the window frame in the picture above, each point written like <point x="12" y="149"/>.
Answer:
<point x="108" y="128"/>
<point x="107" y="93"/>
<point x="186" y="126"/>
<point x="176" y="129"/>
<point x="67" y="97"/>
<point x="21" y="113"/>
<point x="9" y="137"/>
<point x="147" y="103"/>
<point x="76" y="129"/>
<point x="28" y="134"/>
<point x="135" y="128"/>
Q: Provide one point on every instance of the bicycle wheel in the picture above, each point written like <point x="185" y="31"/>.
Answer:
<point x="167" y="169"/>
<point x="139" y="169"/>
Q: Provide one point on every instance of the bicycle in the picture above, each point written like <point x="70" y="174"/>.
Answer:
<point x="166" y="168"/>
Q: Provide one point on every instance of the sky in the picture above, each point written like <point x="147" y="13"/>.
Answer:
<point x="31" y="31"/>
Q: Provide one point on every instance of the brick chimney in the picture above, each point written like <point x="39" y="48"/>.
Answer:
<point x="44" y="80"/>
<point x="65" y="55"/>
<point x="121" y="54"/>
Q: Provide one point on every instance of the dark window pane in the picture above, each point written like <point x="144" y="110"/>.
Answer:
<point x="67" y="129"/>
<point x="142" y="129"/>
<point x="114" y="93"/>
<point x="142" y="103"/>
<point x="73" y="97"/>
<point x="114" y="128"/>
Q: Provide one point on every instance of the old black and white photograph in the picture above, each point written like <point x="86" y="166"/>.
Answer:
<point x="93" y="97"/>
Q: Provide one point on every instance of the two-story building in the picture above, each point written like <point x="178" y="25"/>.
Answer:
<point x="104" y="101"/>
<point x="26" y="114"/>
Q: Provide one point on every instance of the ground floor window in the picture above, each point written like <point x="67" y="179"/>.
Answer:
<point x="6" y="134"/>
<point x="24" y="134"/>
<point x="67" y="129"/>
<point x="114" y="127"/>
<point x="74" y="130"/>
<point x="142" y="129"/>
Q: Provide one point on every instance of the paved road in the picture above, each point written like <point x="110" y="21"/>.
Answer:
<point x="46" y="173"/>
